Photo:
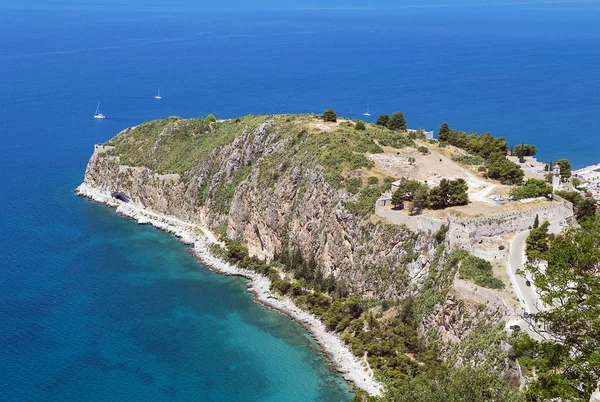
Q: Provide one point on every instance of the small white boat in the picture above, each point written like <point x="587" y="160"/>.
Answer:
<point x="99" y="115"/>
<point x="367" y="114"/>
<point x="158" y="95"/>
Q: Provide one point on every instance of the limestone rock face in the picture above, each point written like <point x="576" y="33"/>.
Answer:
<point x="274" y="205"/>
<point x="271" y="199"/>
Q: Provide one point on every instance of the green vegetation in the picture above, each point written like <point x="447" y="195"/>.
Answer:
<point x="468" y="159"/>
<point x="404" y="360"/>
<point x="565" y="168"/>
<point x="171" y="145"/>
<point x="182" y="146"/>
<point x="570" y="287"/>
<point x="360" y="126"/>
<point x="448" y="193"/>
<point x="329" y="115"/>
<point x="211" y="118"/>
<point x="492" y="149"/>
<point x="480" y="271"/>
<point x="353" y="185"/>
<point x="382" y="120"/>
<point x="584" y="207"/>
<point x="537" y="241"/>
<point x="367" y="196"/>
<point x="444" y="133"/>
<point x="524" y="150"/>
<point x="532" y="188"/>
<point x="424" y="150"/>
<point x="396" y="122"/>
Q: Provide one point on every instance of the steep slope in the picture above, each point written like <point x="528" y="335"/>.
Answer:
<point x="292" y="185"/>
<point x="275" y="182"/>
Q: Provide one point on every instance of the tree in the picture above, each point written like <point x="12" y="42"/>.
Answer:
<point x="397" y="122"/>
<point x="211" y="118"/>
<point x="536" y="222"/>
<point x="585" y="209"/>
<point x="360" y="125"/>
<point x="398" y="198"/>
<point x="329" y="115"/>
<point x="537" y="242"/>
<point x="458" y="192"/>
<point x="504" y="170"/>
<point x="531" y="188"/>
<point x="525" y="150"/>
<point x="444" y="132"/>
<point x="420" y="198"/>
<point x="382" y="120"/>
<point x="569" y="286"/>
<point x="565" y="168"/>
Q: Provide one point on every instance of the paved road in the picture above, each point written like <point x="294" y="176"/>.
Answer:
<point x="527" y="295"/>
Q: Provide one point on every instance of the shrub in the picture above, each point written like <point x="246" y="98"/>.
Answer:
<point x="423" y="150"/>
<point x="372" y="180"/>
<point x="468" y="159"/>
<point x="329" y="115"/>
<point x="360" y="125"/>
<point x="480" y="271"/>
<point x="211" y="118"/>
<point x="353" y="185"/>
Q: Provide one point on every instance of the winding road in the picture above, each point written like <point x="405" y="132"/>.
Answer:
<point x="527" y="295"/>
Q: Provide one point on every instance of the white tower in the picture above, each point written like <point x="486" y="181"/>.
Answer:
<point x="556" y="177"/>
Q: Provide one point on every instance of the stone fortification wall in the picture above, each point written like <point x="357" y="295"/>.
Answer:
<point x="418" y="223"/>
<point x="462" y="231"/>
<point x="510" y="222"/>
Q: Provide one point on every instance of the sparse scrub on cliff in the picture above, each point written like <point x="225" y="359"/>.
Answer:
<point x="480" y="271"/>
<point x="367" y="196"/>
<point x="396" y="350"/>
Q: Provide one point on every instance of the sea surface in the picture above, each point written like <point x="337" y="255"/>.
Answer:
<point x="94" y="307"/>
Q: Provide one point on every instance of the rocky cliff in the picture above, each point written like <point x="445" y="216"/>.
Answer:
<point x="291" y="182"/>
<point x="260" y="187"/>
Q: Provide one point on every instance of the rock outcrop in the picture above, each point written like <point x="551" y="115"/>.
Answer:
<point x="257" y="187"/>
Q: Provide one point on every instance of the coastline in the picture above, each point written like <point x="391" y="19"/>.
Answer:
<point x="341" y="357"/>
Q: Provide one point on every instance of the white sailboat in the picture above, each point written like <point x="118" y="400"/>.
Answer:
<point x="367" y="114"/>
<point x="99" y="115"/>
<point x="158" y="95"/>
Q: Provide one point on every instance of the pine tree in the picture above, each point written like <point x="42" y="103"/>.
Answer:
<point x="397" y="122"/>
<point x="536" y="222"/>
<point x="382" y="120"/>
<point x="444" y="132"/>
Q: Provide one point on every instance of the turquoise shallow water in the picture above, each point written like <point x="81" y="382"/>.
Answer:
<point x="95" y="307"/>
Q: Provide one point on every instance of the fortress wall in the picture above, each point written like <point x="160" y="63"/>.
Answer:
<point x="417" y="223"/>
<point x="463" y="231"/>
<point x="511" y="222"/>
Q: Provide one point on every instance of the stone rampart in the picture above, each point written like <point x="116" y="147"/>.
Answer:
<point x="462" y="231"/>
<point x="511" y="222"/>
<point x="419" y="223"/>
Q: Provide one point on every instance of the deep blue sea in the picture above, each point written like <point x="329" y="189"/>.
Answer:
<point x="95" y="307"/>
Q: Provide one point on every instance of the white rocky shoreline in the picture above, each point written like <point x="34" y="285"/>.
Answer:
<point x="342" y="359"/>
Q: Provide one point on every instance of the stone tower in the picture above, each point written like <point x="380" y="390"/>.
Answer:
<point x="556" y="177"/>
